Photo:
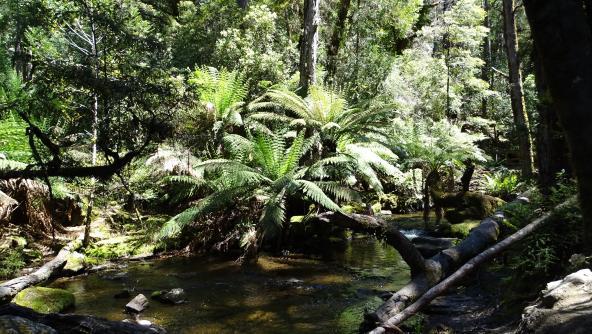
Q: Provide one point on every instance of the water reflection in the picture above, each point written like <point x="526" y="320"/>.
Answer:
<point x="291" y="294"/>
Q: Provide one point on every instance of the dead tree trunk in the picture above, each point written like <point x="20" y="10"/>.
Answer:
<point x="516" y="91"/>
<point x="438" y="267"/>
<point x="463" y="271"/>
<point x="562" y="33"/>
<point x="10" y="288"/>
<point x="309" y="46"/>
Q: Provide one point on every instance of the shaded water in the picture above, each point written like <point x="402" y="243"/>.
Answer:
<point x="292" y="294"/>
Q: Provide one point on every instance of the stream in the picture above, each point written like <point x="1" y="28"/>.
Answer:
<point x="291" y="294"/>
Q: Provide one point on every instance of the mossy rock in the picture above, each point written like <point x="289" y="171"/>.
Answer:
<point x="75" y="263"/>
<point x="45" y="300"/>
<point x="467" y="205"/>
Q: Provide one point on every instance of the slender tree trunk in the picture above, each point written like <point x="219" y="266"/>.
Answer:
<point x="486" y="70"/>
<point x="95" y="125"/>
<point x="309" y="46"/>
<point x="516" y="92"/>
<point x="336" y="40"/>
<point x="563" y="39"/>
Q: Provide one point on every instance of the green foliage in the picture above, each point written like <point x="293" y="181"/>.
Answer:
<point x="265" y="171"/>
<point x="537" y="257"/>
<point x="11" y="262"/>
<point x="221" y="93"/>
<point x="14" y="143"/>
<point x="432" y="145"/>
<point x="255" y="44"/>
<point x="503" y="184"/>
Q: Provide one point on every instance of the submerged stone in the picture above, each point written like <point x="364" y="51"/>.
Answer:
<point x="173" y="296"/>
<point x="45" y="300"/>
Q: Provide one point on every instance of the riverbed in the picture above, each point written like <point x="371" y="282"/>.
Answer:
<point x="289" y="294"/>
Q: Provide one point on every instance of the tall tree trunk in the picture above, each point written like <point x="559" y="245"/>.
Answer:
<point x="516" y="93"/>
<point x="309" y="45"/>
<point x="336" y="40"/>
<point x="552" y="151"/>
<point x="95" y="126"/>
<point x="486" y="70"/>
<point x="563" y="39"/>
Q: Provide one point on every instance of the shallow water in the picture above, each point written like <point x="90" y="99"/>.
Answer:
<point x="292" y="294"/>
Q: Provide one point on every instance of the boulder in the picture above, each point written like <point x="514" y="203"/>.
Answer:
<point x="75" y="264"/>
<point x="45" y="300"/>
<point x="16" y="325"/>
<point x="137" y="305"/>
<point x="466" y="205"/>
<point x="173" y="296"/>
<point x="564" y="307"/>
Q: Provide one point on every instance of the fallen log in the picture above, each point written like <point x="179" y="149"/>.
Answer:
<point x="379" y="227"/>
<point x="392" y="323"/>
<point x="78" y="324"/>
<point x="438" y="268"/>
<point x="10" y="288"/>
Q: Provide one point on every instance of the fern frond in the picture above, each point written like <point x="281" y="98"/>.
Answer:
<point x="316" y="194"/>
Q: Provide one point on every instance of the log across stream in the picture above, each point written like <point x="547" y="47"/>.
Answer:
<point x="292" y="294"/>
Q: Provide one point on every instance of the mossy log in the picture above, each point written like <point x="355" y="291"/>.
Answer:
<point x="10" y="288"/>
<point x="439" y="267"/>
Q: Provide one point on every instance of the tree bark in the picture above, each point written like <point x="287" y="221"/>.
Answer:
<point x="309" y="46"/>
<point x="467" y="176"/>
<point x="336" y="40"/>
<point x="10" y="288"/>
<point x="563" y="39"/>
<point x="552" y="150"/>
<point x="466" y="269"/>
<point x="438" y="268"/>
<point x="487" y="57"/>
<point x="516" y="92"/>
